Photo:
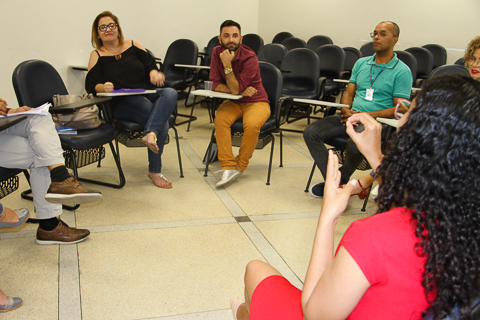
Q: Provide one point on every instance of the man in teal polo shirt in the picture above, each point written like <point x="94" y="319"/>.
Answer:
<point x="376" y="85"/>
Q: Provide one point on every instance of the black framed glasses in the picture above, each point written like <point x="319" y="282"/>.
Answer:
<point x="111" y="26"/>
<point x="405" y="104"/>
<point x="381" y="34"/>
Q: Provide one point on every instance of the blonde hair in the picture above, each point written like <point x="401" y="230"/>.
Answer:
<point x="96" y="41"/>
<point x="472" y="47"/>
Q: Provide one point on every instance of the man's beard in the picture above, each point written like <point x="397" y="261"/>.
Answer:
<point x="235" y="48"/>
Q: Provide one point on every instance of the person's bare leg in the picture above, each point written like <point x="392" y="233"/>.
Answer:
<point x="159" y="180"/>
<point x="256" y="271"/>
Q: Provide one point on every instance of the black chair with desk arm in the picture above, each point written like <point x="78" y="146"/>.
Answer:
<point x="351" y="56"/>
<point x="424" y="64"/>
<point x="202" y="75"/>
<point x="460" y="62"/>
<point x="253" y="41"/>
<point x="273" y="53"/>
<point x="317" y="41"/>
<point x="279" y="37"/>
<point x="301" y="81"/>
<point x="411" y="62"/>
<point x="272" y="82"/>
<point x="9" y="182"/>
<point x="439" y="54"/>
<point x="332" y="66"/>
<point x="35" y="83"/>
<point x="181" y="51"/>
<point x="130" y="132"/>
<point x="294" y="43"/>
<point x="450" y="69"/>
<point x="367" y="49"/>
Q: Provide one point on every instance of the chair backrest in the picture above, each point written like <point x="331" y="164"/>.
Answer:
<point x="332" y="60"/>
<point x="273" y="53"/>
<point x="253" y="41"/>
<point x="351" y="56"/>
<point x="450" y="69"/>
<point x="181" y="51"/>
<point x="293" y="43"/>
<point x="460" y="62"/>
<point x="272" y="82"/>
<point x="367" y="49"/>
<point x="204" y="74"/>
<point x="410" y="61"/>
<point x="317" y="41"/>
<point x="424" y="61"/>
<point x="36" y="82"/>
<point x="303" y="66"/>
<point x="439" y="54"/>
<point x="279" y="37"/>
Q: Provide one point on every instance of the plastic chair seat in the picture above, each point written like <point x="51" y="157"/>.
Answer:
<point x="90" y="138"/>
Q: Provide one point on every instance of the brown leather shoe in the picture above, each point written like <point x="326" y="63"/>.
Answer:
<point x="71" y="192"/>
<point x="62" y="234"/>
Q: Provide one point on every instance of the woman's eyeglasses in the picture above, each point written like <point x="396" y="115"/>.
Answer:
<point x="111" y="26"/>
<point x="404" y="104"/>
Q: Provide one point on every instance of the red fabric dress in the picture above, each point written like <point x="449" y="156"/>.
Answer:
<point x="384" y="247"/>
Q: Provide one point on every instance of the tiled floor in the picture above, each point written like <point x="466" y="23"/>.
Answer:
<point x="176" y="254"/>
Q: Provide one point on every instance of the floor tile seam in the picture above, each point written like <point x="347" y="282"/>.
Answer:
<point x="64" y="281"/>
<point x="161" y="225"/>
<point x="191" y="154"/>
<point x="269" y="253"/>
<point x="284" y="216"/>
<point x="298" y="148"/>
<point x="192" y="316"/>
<point x="127" y="227"/>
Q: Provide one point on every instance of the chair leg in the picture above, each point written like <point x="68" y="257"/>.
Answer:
<point x="100" y="159"/>
<point x="310" y="177"/>
<point x="209" y="150"/>
<point x="121" y="175"/>
<point x="281" y="149"/>
<point x="366" y="199"/>
<point x="191" y="115"/>
<point x="271" y="160"/>
<point x="178" y="150"/>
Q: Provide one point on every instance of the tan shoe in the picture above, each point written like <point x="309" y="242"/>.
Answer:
<point x="71" y="192"/>
<point x="62" y="234"/>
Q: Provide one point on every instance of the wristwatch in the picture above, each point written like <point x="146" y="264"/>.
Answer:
<point x="228" y="70"/>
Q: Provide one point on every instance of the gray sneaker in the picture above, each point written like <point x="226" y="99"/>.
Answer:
<point x="227" y="176"/>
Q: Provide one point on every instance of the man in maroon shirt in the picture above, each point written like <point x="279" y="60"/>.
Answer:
<point x="234" y="69"/>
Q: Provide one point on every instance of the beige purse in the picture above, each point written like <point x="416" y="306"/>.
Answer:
<point x="84" y="118"/>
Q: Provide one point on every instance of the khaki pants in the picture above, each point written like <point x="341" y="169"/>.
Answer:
<point x="254" y="116"/>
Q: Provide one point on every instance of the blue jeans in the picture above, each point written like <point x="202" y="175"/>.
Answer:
<point x="152" y="111"/>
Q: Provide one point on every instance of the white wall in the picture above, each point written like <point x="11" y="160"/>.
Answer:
<point x="58" y="31"/>
<point x="349" y="22"/>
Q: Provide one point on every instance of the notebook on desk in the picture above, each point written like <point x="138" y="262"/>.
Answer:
<point x="128" y="90"/>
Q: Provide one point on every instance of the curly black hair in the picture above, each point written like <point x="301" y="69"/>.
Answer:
<point x="433" y="167"/>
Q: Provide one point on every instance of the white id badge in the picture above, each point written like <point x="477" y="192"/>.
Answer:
<point x="369" y="95"/>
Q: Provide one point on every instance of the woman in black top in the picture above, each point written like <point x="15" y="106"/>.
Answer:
<point x="125" y="64"/>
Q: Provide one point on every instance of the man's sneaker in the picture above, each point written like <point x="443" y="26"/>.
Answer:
<point x="71" y="192"/>
<point x="62" y="234"/>
<point x="227" y="176"/>
<point x="317" y="190"/>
